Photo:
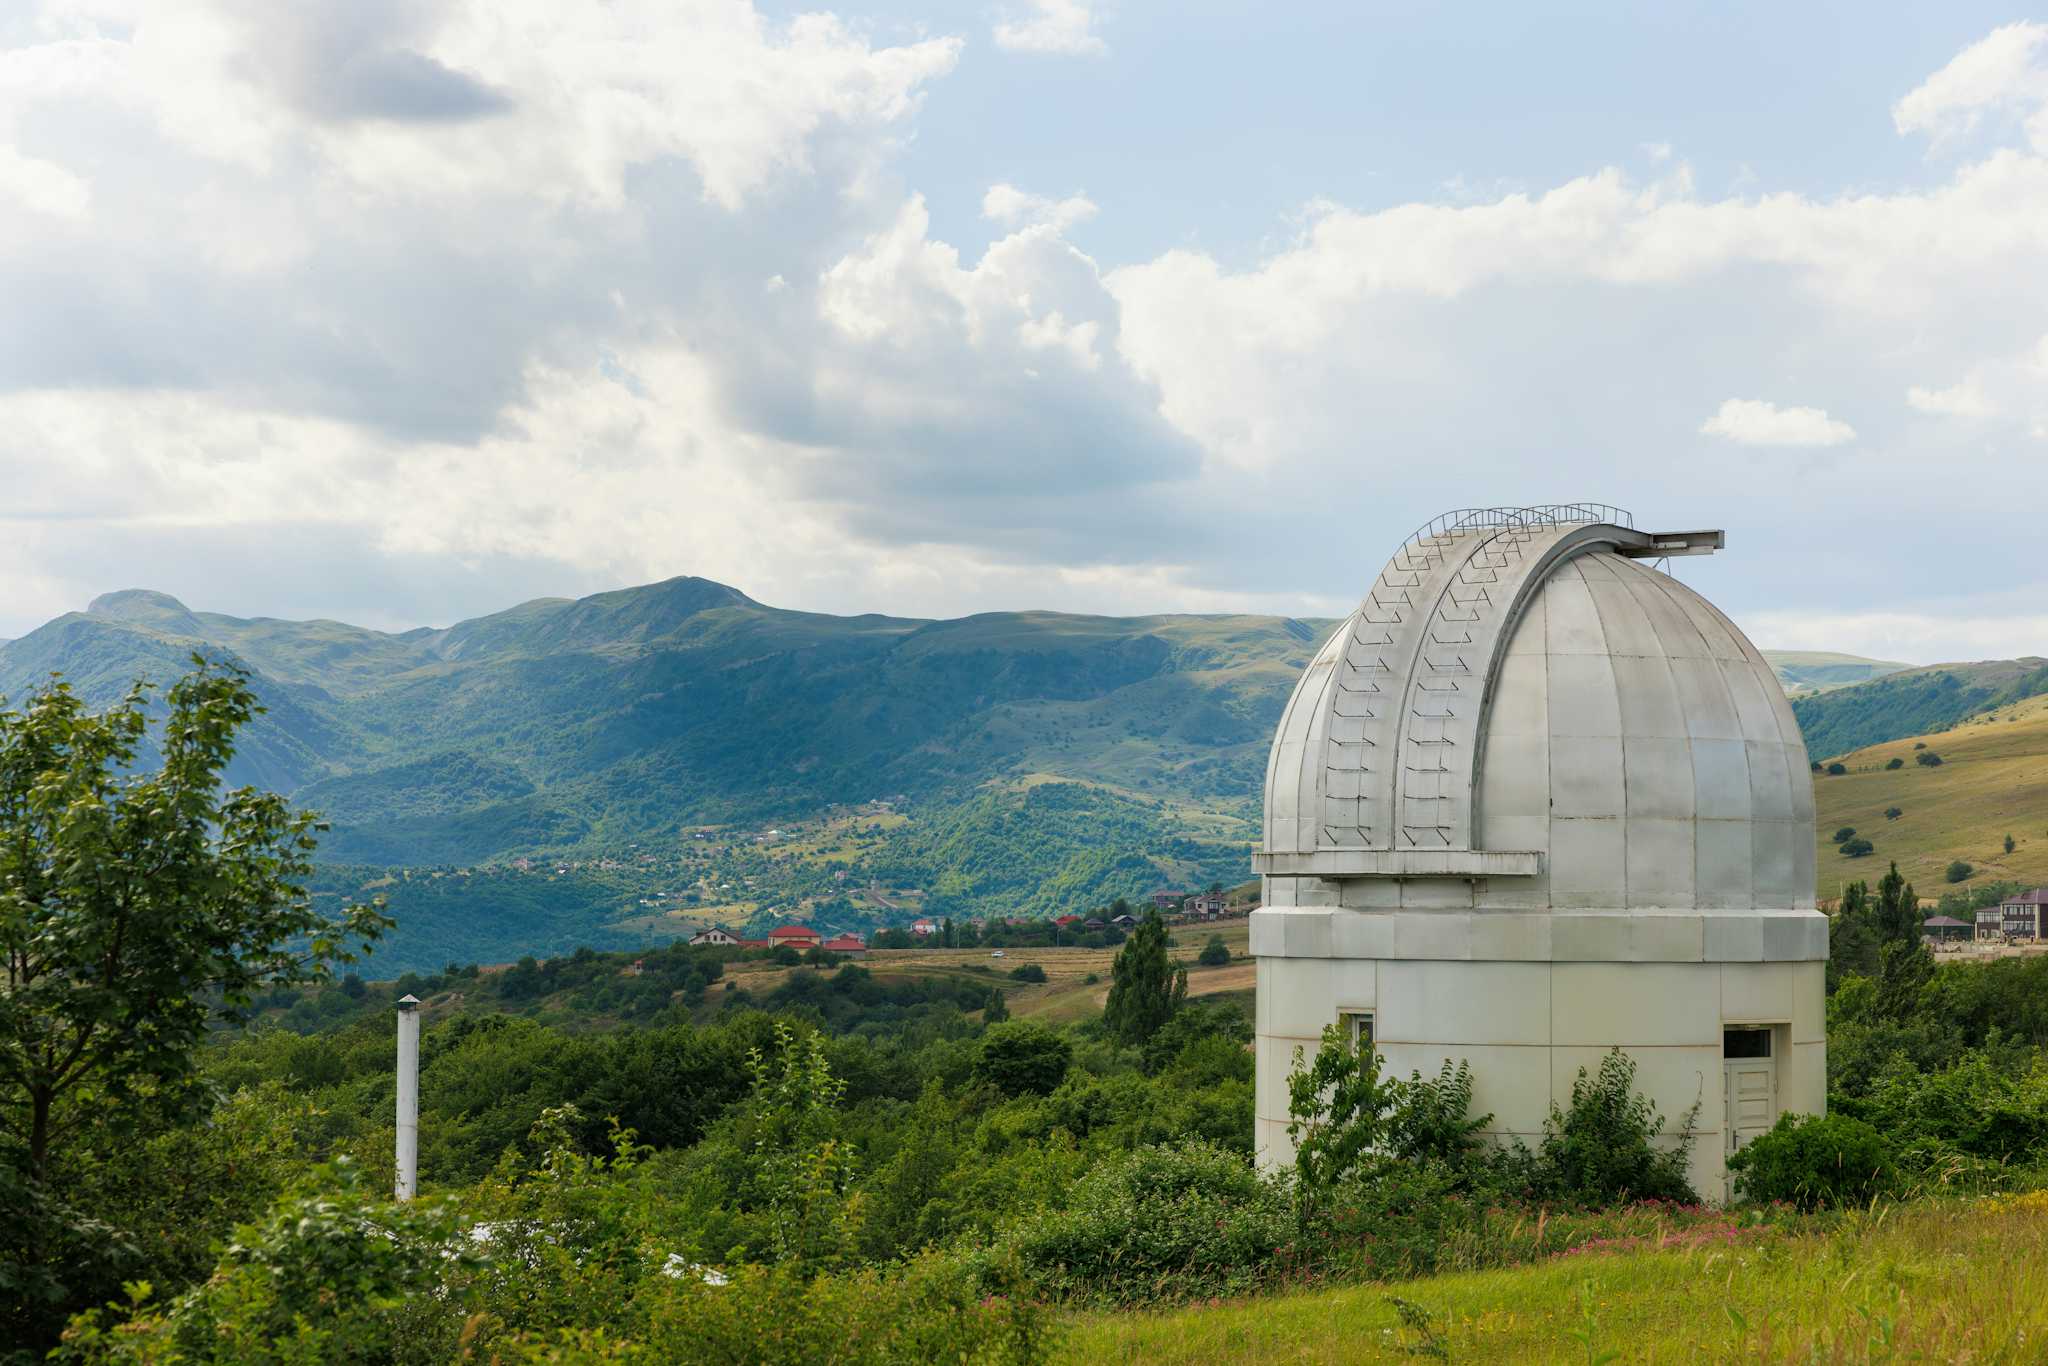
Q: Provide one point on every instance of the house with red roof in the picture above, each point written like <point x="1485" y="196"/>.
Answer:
<point x="1067" y="922"/>
<point x="924" y="928"/>
<point x="795" y="936"/>
<point x="845" y="943"/>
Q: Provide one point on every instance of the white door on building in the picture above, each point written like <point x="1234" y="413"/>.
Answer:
<point x="1751" y="1085"/>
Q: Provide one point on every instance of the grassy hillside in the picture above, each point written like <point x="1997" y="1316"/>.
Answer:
<point x="1914" y="702"/>
<point x="1992" y="781"/>
<point x="1811" y="671"/>
<point x="1960" y="1282"/>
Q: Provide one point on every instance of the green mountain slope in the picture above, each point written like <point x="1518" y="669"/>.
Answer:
<point x="1914" y="702"/>
<point x="562" y="725"/>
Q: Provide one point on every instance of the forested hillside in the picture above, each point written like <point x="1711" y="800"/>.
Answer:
<point x="1914" y="702"/>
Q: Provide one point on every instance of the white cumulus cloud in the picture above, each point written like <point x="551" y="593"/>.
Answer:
<point x="2007" y="69"/>
<point x="1758" y="422"/>
<point x="1061" y="27"/>
<point x="1966" y="399"/>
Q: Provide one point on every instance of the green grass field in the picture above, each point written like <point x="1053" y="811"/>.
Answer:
<point x="1992" y="781"/>
<point x="1957" y="1283"/>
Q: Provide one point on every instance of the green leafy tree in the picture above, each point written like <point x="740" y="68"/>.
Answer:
<point x="1958" y="871"/>
<point x="136" y="907"/>
<point x="1857" y="848"/>
<point x="1146" y="987"/>
<point x="1927" y="759"/>
<point x="997" y="1010"/>
<point x="1338" y="1107"/>
<point x="1836" y="770"/>
<point x="1846" y="832"/>
<point x="1215" y="953"/>
<point x="1892" y="813"/>
<point x="1894" y="762"/>
<point x="1020" y="1058"/>
<point x="2009" y="845"/>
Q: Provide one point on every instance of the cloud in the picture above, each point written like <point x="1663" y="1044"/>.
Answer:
<point x="2008" y="69"/>
<point x="1009" y="205"/>
<point x="1756" y="422"/>
<point x="1061" y="27"/>
<point x="1966" y="399"/>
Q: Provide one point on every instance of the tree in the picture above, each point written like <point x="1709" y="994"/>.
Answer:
<point x="1958" y="871"/>
<point x="997" y="1009"/>
<point x="1928" y="759"/>
<point x="2009" y="844"/>
<point x="1146" y="987"/>
<point x="1892" y="813"/>
<point x="138" y="907"/>
<point x="1337" y="1106"/>
<point x="1857" y="848"/>
<point x="1837" y="769"/>
<point x="1021" y="1058"/>
<point x="1894" y="762"/>
<point x="1844" y="833"/>
<point x="1214" y="954"/>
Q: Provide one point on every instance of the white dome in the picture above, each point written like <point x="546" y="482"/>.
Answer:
<point x="1527" y="715"/>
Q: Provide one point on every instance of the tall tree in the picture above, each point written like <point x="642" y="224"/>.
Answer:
<point x="136" y="905"/>
<point x="1146" y="986"/>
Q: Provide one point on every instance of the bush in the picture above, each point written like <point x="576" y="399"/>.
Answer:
<point x="1844" y="833"/>
<point x="1958" y="871"/>
<point x="1019" y="1058"/>
<point x="1837" y="769"/>
<point x="1894" y="762"/>
<point x="1813" y="1161"/>
<point x="1029" y="972"/>
<point x="1892" y="813"/>
<point x="1602" y="1151"/>
<point x="1164" y="1223"/>
<point x="1857" y="848"/>
<point x="1928" y="759"/>
<point x="1214" y="954"/>
<point x="935" y="1309"/>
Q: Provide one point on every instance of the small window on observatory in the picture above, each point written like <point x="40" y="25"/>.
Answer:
<point x="1357" y="1025"/>
<point x="1745" y="1043"/>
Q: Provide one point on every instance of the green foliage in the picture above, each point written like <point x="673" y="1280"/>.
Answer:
<point x="1892" y="813"/>
<point x="2009" y="844"/>
<point x="1019" y="1058"/>
<point x="1215" y="953"/>
<point x="1146" y="986"/>
<point x="1337" y="1107"/>
<point x="1169" y="1222"/>
<point x="1602" y="1149"/>
<point x="1857" y="848"/>
<point x="1813" y="1161"/>
<point x="1895" y="762"/>
<point x="1927" y="759"/>
<point x="1844" y="833"/>
<point x="1028" y="972"/>
<point x="1958" y="871"/>
<point x="1836" y="769"/>
<point x="1916" y="702"/>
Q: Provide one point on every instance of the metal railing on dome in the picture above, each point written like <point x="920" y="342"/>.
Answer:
<point x="1540" y="515"/>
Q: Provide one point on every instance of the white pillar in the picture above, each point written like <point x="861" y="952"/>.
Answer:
<point x="408" y="1097"/>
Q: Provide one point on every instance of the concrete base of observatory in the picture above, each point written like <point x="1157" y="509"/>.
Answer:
<point x="1529" y="998"/>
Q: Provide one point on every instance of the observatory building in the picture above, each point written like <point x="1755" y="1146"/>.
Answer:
<point x="1534" y="800"/>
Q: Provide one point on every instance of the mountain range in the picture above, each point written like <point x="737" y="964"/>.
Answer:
<point x="1029" y="760"/>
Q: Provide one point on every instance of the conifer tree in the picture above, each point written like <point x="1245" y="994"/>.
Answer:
<point x="1146" y="987"/>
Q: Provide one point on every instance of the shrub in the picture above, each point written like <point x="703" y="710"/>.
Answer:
<point x="1857" y="848"/>
<point x="1214" y="954"/>
<point x="1844" y="833"/>
<point x="1894" y="762"/>
<point x="1837" y="769"/>
<point x="1813" y="1161"/>
<point x="1892" y="813"/>
<point x="2009" y="844"/>
<point x="1019" y="1058"/>
<point x="1958" y="871"/>
<point x="1602" y="1150"/>
<point x="1928" y="759"/>
<point x="935" y="1309"/>
<point x="1180" y="1222"/>
<point x="1029" y="972"/>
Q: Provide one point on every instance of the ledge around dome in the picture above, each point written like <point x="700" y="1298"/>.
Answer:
<point x="1344" y="863"/>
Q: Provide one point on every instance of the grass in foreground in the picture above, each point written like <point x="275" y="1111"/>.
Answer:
<point x="1964" y="1282"/>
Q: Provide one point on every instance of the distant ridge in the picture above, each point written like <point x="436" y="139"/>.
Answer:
<point x="1914" y="701"/>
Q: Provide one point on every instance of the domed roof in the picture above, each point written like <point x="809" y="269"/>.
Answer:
<point x="1522" y="701"/>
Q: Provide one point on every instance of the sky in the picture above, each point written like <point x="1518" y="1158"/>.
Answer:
<point x="405" y="311"/>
